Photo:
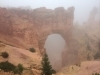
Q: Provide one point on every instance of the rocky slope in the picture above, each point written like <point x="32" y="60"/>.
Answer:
<point x="22" y="56"/>
<point x="85" y="68"/>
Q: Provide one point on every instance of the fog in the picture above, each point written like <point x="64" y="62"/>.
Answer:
<point x="55" y="43"/>
<point x="82" y="7"/>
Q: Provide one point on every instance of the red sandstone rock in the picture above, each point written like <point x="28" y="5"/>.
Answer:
<point x="25" y="28"/>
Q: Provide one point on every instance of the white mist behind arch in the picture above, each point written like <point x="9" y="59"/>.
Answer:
<point x="54" y="46"/>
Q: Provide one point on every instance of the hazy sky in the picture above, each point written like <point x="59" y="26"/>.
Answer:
<point x="82" y="7"/>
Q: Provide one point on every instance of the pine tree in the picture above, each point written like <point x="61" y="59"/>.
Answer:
<point x="46" y="67"/>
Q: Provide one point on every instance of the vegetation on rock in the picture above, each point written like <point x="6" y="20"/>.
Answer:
<point x="8" y="67"/>
<point x="19" y="69"/>
<point x="32" y="50"/>
<point x="46" y="67"/>
<point x="4" y="54"/>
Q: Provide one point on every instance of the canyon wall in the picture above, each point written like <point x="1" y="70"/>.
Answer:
<point x="30" y="28"/>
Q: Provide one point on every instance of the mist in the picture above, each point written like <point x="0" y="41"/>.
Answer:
<point x="56" y="42"/>
<point x="82" y="7"/>
<point x="82" y="28"/>
<point x="54" y="45"/>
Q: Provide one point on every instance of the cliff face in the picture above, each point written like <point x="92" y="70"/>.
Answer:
<point x="25" y="29"/>
<point x="86" y="40"/>
<point x="87" y="37"/>
<point x="16" y="28"/>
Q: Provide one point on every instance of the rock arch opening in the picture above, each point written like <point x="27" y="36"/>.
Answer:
<point x="54" y="46"/>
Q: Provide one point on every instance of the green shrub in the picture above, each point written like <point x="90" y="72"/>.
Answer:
<point x="4" y="54"/>
<point x="19" y="69"/>
<point x="8" y="67"/>
<point x="32" y="50"/>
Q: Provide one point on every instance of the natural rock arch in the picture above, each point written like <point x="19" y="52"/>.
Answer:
<point x="58" y="21"/>
<point x="26" y="28"/>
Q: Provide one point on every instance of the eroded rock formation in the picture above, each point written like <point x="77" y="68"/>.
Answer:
<point x="25" y="28"/>
<point x="93" y="14"/>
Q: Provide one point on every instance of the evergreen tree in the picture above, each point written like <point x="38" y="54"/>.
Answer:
<point x="46" y="67"/>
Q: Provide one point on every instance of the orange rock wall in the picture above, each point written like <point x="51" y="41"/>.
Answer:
<point x="30" y="28"/>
